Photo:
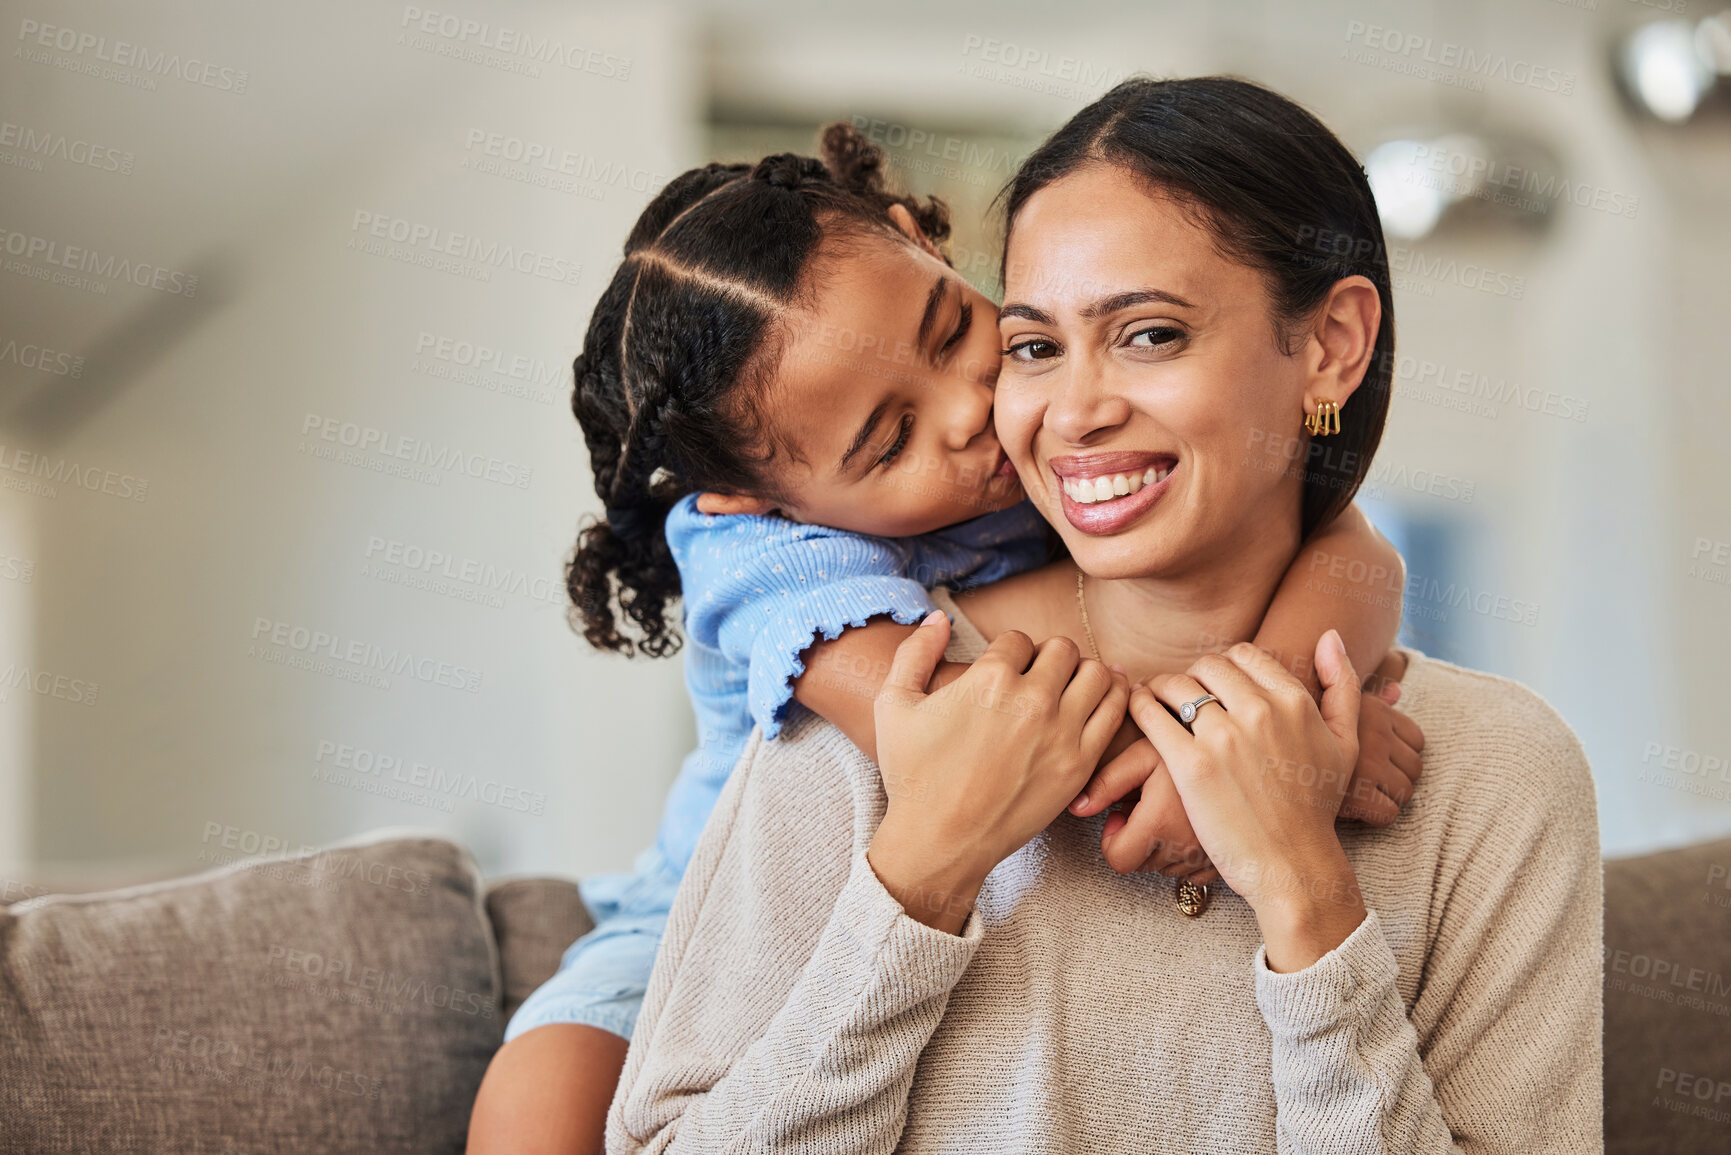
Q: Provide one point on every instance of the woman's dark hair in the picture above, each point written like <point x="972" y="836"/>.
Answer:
<point x="680" y="350"/>
<point x="1280" y="193"/>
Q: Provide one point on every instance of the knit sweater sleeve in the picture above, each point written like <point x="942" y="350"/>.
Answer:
<point x="792" y="996"/>
<point x="1502" y="1049"/>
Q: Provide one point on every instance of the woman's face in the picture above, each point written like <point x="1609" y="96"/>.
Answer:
<point x="1142" y="382"/>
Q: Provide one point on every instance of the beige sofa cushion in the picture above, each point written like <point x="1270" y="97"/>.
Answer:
<point x="346" y="1000"/>
<point x="534" y="920"/>
<point x="1668" y="1001"/>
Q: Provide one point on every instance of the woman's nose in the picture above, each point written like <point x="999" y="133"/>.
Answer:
<point x="1081" y="402"/>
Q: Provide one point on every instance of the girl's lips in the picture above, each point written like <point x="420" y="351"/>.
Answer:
<point x="1103" y="517"/>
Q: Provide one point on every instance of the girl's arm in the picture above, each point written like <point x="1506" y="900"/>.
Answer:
<point x="843" y="675"/>
<point x="1347" y="577"/>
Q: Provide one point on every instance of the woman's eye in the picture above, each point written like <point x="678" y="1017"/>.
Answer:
<point x="1156" y="335"/>
<point x="901" y="441"/>
<point x="1036" y="349"/>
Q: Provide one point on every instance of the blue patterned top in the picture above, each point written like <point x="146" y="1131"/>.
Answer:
<point x="760" y="589"/>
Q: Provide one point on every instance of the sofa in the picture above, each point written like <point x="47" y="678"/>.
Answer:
<point x="348" y="1000"/>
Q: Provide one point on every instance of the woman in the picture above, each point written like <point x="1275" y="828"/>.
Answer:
<point x="967" y="974"/>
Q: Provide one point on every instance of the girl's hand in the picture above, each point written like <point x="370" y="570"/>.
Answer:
<point x="976" y="769"/>
<point x="1150" y="832"/>
<point x="1262" y="779"/>
<point x="1390" y="746"/>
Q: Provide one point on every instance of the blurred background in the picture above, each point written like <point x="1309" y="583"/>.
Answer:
<point x="289" y="296"/>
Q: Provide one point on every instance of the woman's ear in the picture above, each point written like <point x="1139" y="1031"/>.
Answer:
<point x="732" y="503"/>
<point x="1343" y="341"/>
<point x="910" y="228"/>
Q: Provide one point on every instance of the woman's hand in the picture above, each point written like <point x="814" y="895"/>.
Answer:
<point x="1262" y="779"/>
<point x="976" y="769"/>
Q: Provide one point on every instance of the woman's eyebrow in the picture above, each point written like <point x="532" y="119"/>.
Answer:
<point x="1027" y="313"/>
<point x="1094" y="310"/>
<point x="1106" y="306"/>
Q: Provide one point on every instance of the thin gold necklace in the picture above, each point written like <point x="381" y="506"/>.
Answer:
<point x="1190" y="898"/>
<point x="1082" y="604"/>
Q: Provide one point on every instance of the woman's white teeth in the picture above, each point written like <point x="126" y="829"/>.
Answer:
<point x="1088" y="490"/>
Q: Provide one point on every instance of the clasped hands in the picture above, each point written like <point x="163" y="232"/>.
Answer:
<point x="974" y="769"/>
<point x="1148" y="829"/>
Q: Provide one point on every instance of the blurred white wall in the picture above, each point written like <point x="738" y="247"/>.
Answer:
<point x="383" y="117"/>
<point x="356" y="245"/>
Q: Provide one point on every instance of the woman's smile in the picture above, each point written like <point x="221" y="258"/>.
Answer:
<point x="1104" y="492"/>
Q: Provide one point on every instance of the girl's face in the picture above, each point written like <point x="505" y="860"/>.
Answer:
<point x="883" y="390"/>
<point x="1142" y="384"/>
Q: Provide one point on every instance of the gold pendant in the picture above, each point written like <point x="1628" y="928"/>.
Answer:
<point x="1191" y="898"/>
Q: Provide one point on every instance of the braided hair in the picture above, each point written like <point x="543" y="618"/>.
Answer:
<point x="680" y="349"/>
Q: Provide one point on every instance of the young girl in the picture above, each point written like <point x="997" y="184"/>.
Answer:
<point x="786" y="392"/>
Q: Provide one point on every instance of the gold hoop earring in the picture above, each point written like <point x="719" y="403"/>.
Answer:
<point x="1324" y="421"/>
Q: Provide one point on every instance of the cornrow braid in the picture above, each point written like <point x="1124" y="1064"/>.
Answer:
<point x="682" y="342"/>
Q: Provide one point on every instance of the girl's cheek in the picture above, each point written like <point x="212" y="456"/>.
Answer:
<point x="1016" y="414"/>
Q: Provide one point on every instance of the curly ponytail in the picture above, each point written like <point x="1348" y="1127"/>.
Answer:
<point x="679" y="349"/>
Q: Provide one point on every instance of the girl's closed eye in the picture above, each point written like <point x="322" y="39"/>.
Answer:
<point x="964" y="322"/>
<point x="901" y="440"/>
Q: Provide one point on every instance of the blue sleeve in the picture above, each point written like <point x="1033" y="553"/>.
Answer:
<point x="760" y="590"/>
<point x="981" y="550"/>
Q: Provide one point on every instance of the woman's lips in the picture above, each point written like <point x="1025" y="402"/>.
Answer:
<point x="1110" y="516"/>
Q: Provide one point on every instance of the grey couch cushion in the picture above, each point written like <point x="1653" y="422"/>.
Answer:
<point x="534" y="920"/>
<point x="1668" y="1001"/>
<point x="348" y="1000"/>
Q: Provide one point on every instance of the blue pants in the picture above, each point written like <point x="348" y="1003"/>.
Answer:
<point x="602" y="976"/>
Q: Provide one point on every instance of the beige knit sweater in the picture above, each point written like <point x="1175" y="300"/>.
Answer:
<point x="796" y="1007"/>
